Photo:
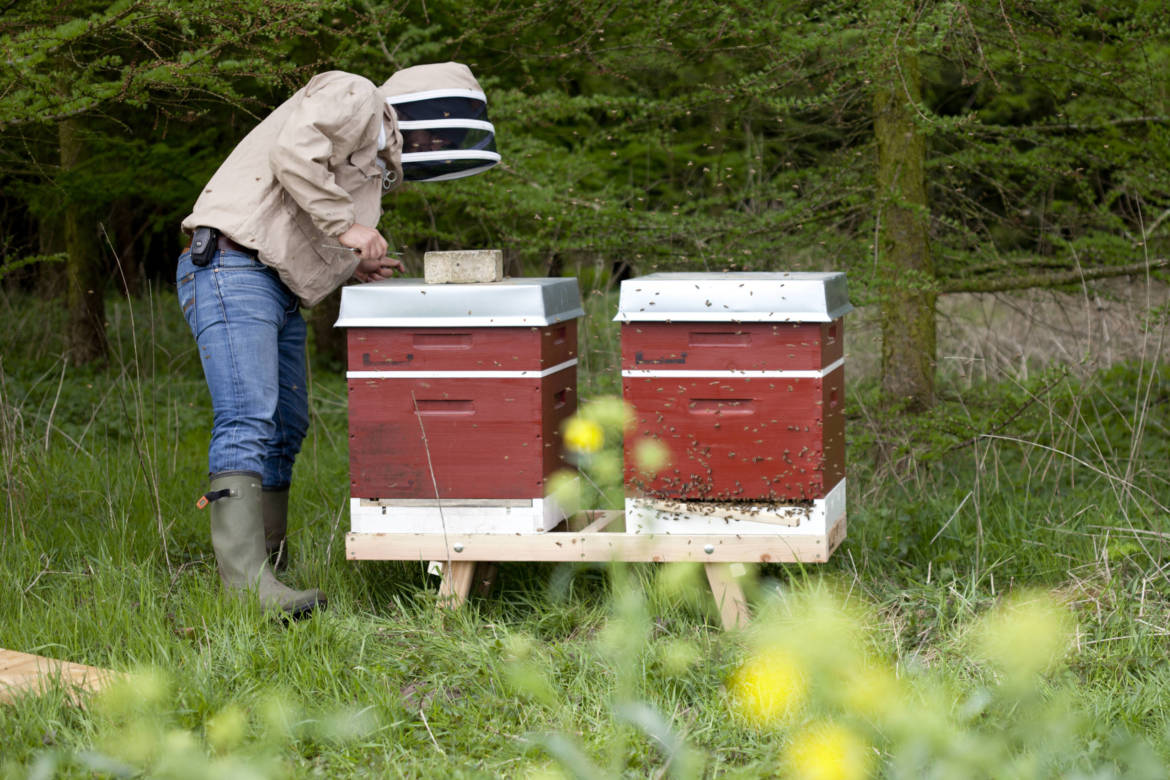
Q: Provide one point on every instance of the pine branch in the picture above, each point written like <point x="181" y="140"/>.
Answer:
<point x="1027" y="281"/>
<point x="1121" y="122"/>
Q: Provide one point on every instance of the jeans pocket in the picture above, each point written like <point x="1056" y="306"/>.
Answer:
<point x="244" y="296"/>
<point x="186" y="291"/>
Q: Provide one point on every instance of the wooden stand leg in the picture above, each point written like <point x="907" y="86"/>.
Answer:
<point x="456" y="584"/>
<point x="733" y="609"/>
<point x="485" y="577"/>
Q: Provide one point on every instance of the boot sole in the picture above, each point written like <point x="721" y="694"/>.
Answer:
<point x="301" y="612"/>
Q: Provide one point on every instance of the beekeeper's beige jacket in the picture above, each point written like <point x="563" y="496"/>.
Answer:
<point x="308" y="172"/>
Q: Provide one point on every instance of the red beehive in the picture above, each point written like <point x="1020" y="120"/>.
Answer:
<point x="456" y="397"/>
<point x="741" y="377"/>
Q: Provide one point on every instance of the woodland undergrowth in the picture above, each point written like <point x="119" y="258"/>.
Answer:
<point x="999" y="607"/>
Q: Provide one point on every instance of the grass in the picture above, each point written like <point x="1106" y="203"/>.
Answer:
<point x="1051" y="482"/>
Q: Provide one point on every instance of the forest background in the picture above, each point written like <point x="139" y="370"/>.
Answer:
<point x="938" y="152"/>
<point x="925" y="148"/>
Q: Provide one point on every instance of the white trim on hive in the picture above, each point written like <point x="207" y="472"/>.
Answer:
<point x="532" y="374"/>
<point x="815" y="373"/>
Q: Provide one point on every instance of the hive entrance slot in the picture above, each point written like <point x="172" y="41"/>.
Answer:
<point x="720" y="339"/>
<point x="442" y="340"/>
<point x="721" y="406"/>
<point x="444" y="406"/>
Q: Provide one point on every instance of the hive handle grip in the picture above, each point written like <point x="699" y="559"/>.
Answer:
<point x="368" y="361"/>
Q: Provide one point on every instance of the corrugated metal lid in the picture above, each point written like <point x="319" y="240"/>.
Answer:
<point x="401" y="303"/>
<point x="745" y="296"/>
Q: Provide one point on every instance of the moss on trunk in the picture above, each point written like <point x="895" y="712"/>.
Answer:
<point x="906" y="283"/>
<point x="84" y="271"/>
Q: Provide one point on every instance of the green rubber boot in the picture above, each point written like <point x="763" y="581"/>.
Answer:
<point x="274" y="506"/>
<point x="237" y="534"/>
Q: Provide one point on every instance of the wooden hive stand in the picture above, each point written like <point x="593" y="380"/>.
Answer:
<point x="723" y="555"/>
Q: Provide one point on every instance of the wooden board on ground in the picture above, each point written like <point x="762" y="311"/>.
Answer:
<point x="24" y="673"/>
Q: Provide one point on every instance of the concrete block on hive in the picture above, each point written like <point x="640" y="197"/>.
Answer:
<point x="468" y="266"/>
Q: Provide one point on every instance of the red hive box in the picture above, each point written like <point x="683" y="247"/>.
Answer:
<point x="741" y="377"/>
<point x="456" y="397"/>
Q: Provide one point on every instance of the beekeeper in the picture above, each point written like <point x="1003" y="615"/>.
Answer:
<point x="288" y="217"/>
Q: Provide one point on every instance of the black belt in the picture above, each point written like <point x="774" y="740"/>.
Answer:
<point x="201" y="239"/>
<point x="228" y="245"/>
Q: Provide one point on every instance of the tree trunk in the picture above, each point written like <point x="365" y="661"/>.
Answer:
<point x="126" y="233"/>
<point x="906" y="268"/>
<point x="85" y="278"/>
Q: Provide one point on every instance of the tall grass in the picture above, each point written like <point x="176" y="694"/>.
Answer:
<point x="1026" y="510"/>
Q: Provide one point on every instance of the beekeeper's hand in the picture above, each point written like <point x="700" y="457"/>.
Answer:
<point x="375" y="270"/>
<point x="368" y="242"/>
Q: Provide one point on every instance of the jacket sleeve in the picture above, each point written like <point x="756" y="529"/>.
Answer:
<point x="325" y="128"/>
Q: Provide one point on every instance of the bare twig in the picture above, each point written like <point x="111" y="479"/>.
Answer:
<point x="333" y="533"/>
<point x="1079" y="461"/>
<point x="1055" y="279"/>
<point x="143" y="461"/>
<point x="423" y="714"/>
<point x="435" y="485"/>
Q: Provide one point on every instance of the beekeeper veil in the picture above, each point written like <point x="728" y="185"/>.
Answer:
<point x="442" y="116"/>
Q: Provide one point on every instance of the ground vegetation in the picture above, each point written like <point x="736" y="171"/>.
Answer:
<point x="993" y="178"/>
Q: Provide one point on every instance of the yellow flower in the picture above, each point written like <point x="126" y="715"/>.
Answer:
<point x="226" y="729"/>
<point x="651" y="455"/>
<point x="583" y="435"/>
<point x="564" y="488"/>
<point x="827" y="751"/>
<point x="769" y="687"/>
<point x="609" y="412"/>
<point x="1026" y="635"/>
<point x="873" y="691"/>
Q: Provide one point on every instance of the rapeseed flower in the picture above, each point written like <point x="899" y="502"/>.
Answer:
<point x="770" y="687"/>
<point x="583" y="436"/>
<point x="828" y="751"/>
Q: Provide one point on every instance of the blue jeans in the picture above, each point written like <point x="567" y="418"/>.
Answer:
<point x="251" y="339"/>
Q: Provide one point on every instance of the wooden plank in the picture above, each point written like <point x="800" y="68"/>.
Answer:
<point x="456" y="584"/>
<point x="601" y="520"/>
<point x="23" y="673"/>
<point x="729" y="598"/>
<point x="577" y="546"/>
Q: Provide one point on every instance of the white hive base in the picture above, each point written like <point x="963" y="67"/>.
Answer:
<point x="813" y="518"/>
<point x="453" y="516"/>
